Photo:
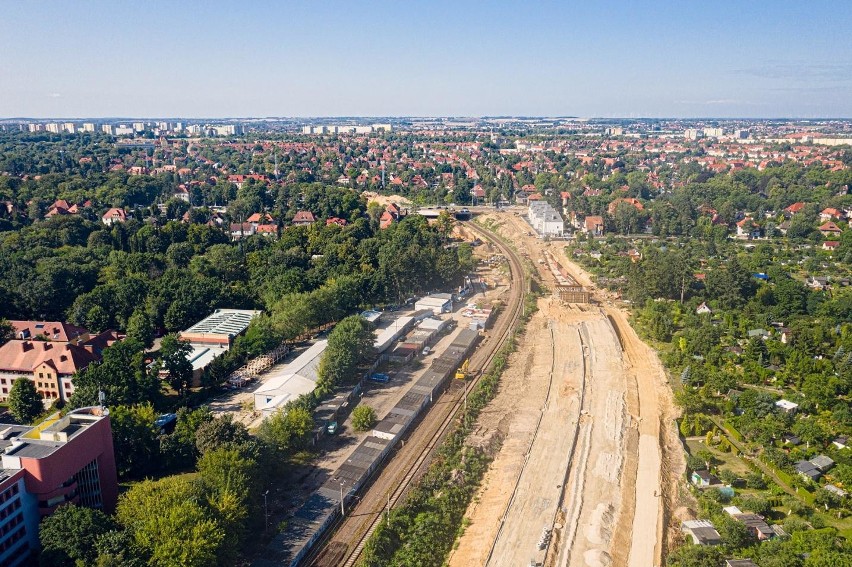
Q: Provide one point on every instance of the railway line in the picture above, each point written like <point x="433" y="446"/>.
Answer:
<point x="345" y="540"/>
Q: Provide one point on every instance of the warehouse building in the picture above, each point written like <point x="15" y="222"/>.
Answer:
<point x="287" y="383"/>
<point x="437" y="303"/>
<point x="214" y="335"/>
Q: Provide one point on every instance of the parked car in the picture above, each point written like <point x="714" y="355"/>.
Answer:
<point x="166" y="422"/>
<point x="377" y="377"/>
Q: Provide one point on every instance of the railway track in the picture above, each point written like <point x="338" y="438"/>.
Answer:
<point x="411" y="460"/>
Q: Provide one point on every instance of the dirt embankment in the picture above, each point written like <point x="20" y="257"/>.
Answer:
<point x="622" y="474"/>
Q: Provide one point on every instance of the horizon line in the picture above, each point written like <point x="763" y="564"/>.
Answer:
<point x="419" y="117"/>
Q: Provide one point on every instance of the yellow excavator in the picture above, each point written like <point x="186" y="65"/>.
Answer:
<point x="462" y="372"/>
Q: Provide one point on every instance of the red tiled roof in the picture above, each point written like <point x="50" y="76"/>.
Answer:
<point x="54" y="330"/>
<point x="304" y="216"/>
<point x="24" y="356"/>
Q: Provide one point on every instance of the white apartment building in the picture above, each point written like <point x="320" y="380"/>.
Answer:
<point x="545" y="220"/>
<point x="713" y="133"/>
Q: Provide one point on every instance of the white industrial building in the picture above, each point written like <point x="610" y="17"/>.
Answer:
<point x="387" y="336"/>
<point x="437" y="303"/>
<point x="287" y="383"/>
<point x="214" y="335"/>
<point x="545" y="220"/>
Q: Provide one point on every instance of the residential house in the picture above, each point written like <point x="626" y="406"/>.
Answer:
<point x="841" y="442"/>
<point x="386" y="220"/>
<point x="830" y="213"/>
<point x="113" y="216"/>
<point x="335" y="220"/>
<point x="594" y="225"/>
<point x="807" y="470"/>
<point x="181" y="193"/>
<point x="702" y="532"/>
<point x="268" y="230"/>
<point x="830" y="229"/>
<point x="822" y="462"/>
<point x="630" y="201"/>
<point x="787" y="406"/>
<point x="756" y="525"/>
<point x="303" y="218"/>
<point x="830" y="245"/>
<point x="747" y="228"/>
<point x="703" y="309"/>
<point x="704" y="479"/>
<point x="257" y="219"/>
<point x="790" y="439"/>
<point x="817" y="282"/>
<point x="241" y="230"/>
<point x="794" y="208"/>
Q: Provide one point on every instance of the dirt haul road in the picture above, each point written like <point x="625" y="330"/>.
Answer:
<point x="583" y="452"/>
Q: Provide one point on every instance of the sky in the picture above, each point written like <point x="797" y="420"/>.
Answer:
<point x="593" y="58"/>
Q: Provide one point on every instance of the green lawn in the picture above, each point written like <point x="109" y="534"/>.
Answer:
<point x="728" y="460"/>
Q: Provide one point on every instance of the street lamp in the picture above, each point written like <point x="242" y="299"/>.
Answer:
<point x="342" y="509"/>
<point x="266" y="509"/>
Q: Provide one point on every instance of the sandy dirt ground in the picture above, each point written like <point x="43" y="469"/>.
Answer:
<point x="585" y="455"/>
<point x="383" y="200"/>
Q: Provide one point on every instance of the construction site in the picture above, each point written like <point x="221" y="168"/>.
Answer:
<point x="589" y="461"/>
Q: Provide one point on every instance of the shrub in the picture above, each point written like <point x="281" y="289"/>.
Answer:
<point x="363" y="418"/>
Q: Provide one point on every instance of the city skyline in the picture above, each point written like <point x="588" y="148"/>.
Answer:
<point x="381" y="59"/>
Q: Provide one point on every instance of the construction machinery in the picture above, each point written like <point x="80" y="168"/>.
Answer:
<point x="463" y="370"/>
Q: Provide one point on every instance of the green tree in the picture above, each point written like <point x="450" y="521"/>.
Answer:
<point x="25" y="404"/>
<point x="349" y="345"/>
<point x="174" y="356"/>
<point x="7" y="331"/>
<point x="178" y="449"/>
<point x="117" y="549"/>
<point x="363" y="418"/>
<point x="287" y="429"/>
<point x="232" y="480"/>
<point x="734" y="534"/>
<point x="134" y="436"/>
<point x="69" y="534"/>
<point x="121" y="375"/>
<point x="219" y="432"/>
<point x="168" y="521"/>
<point x="141" y="328"/>
<point x="696" y="556"/>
